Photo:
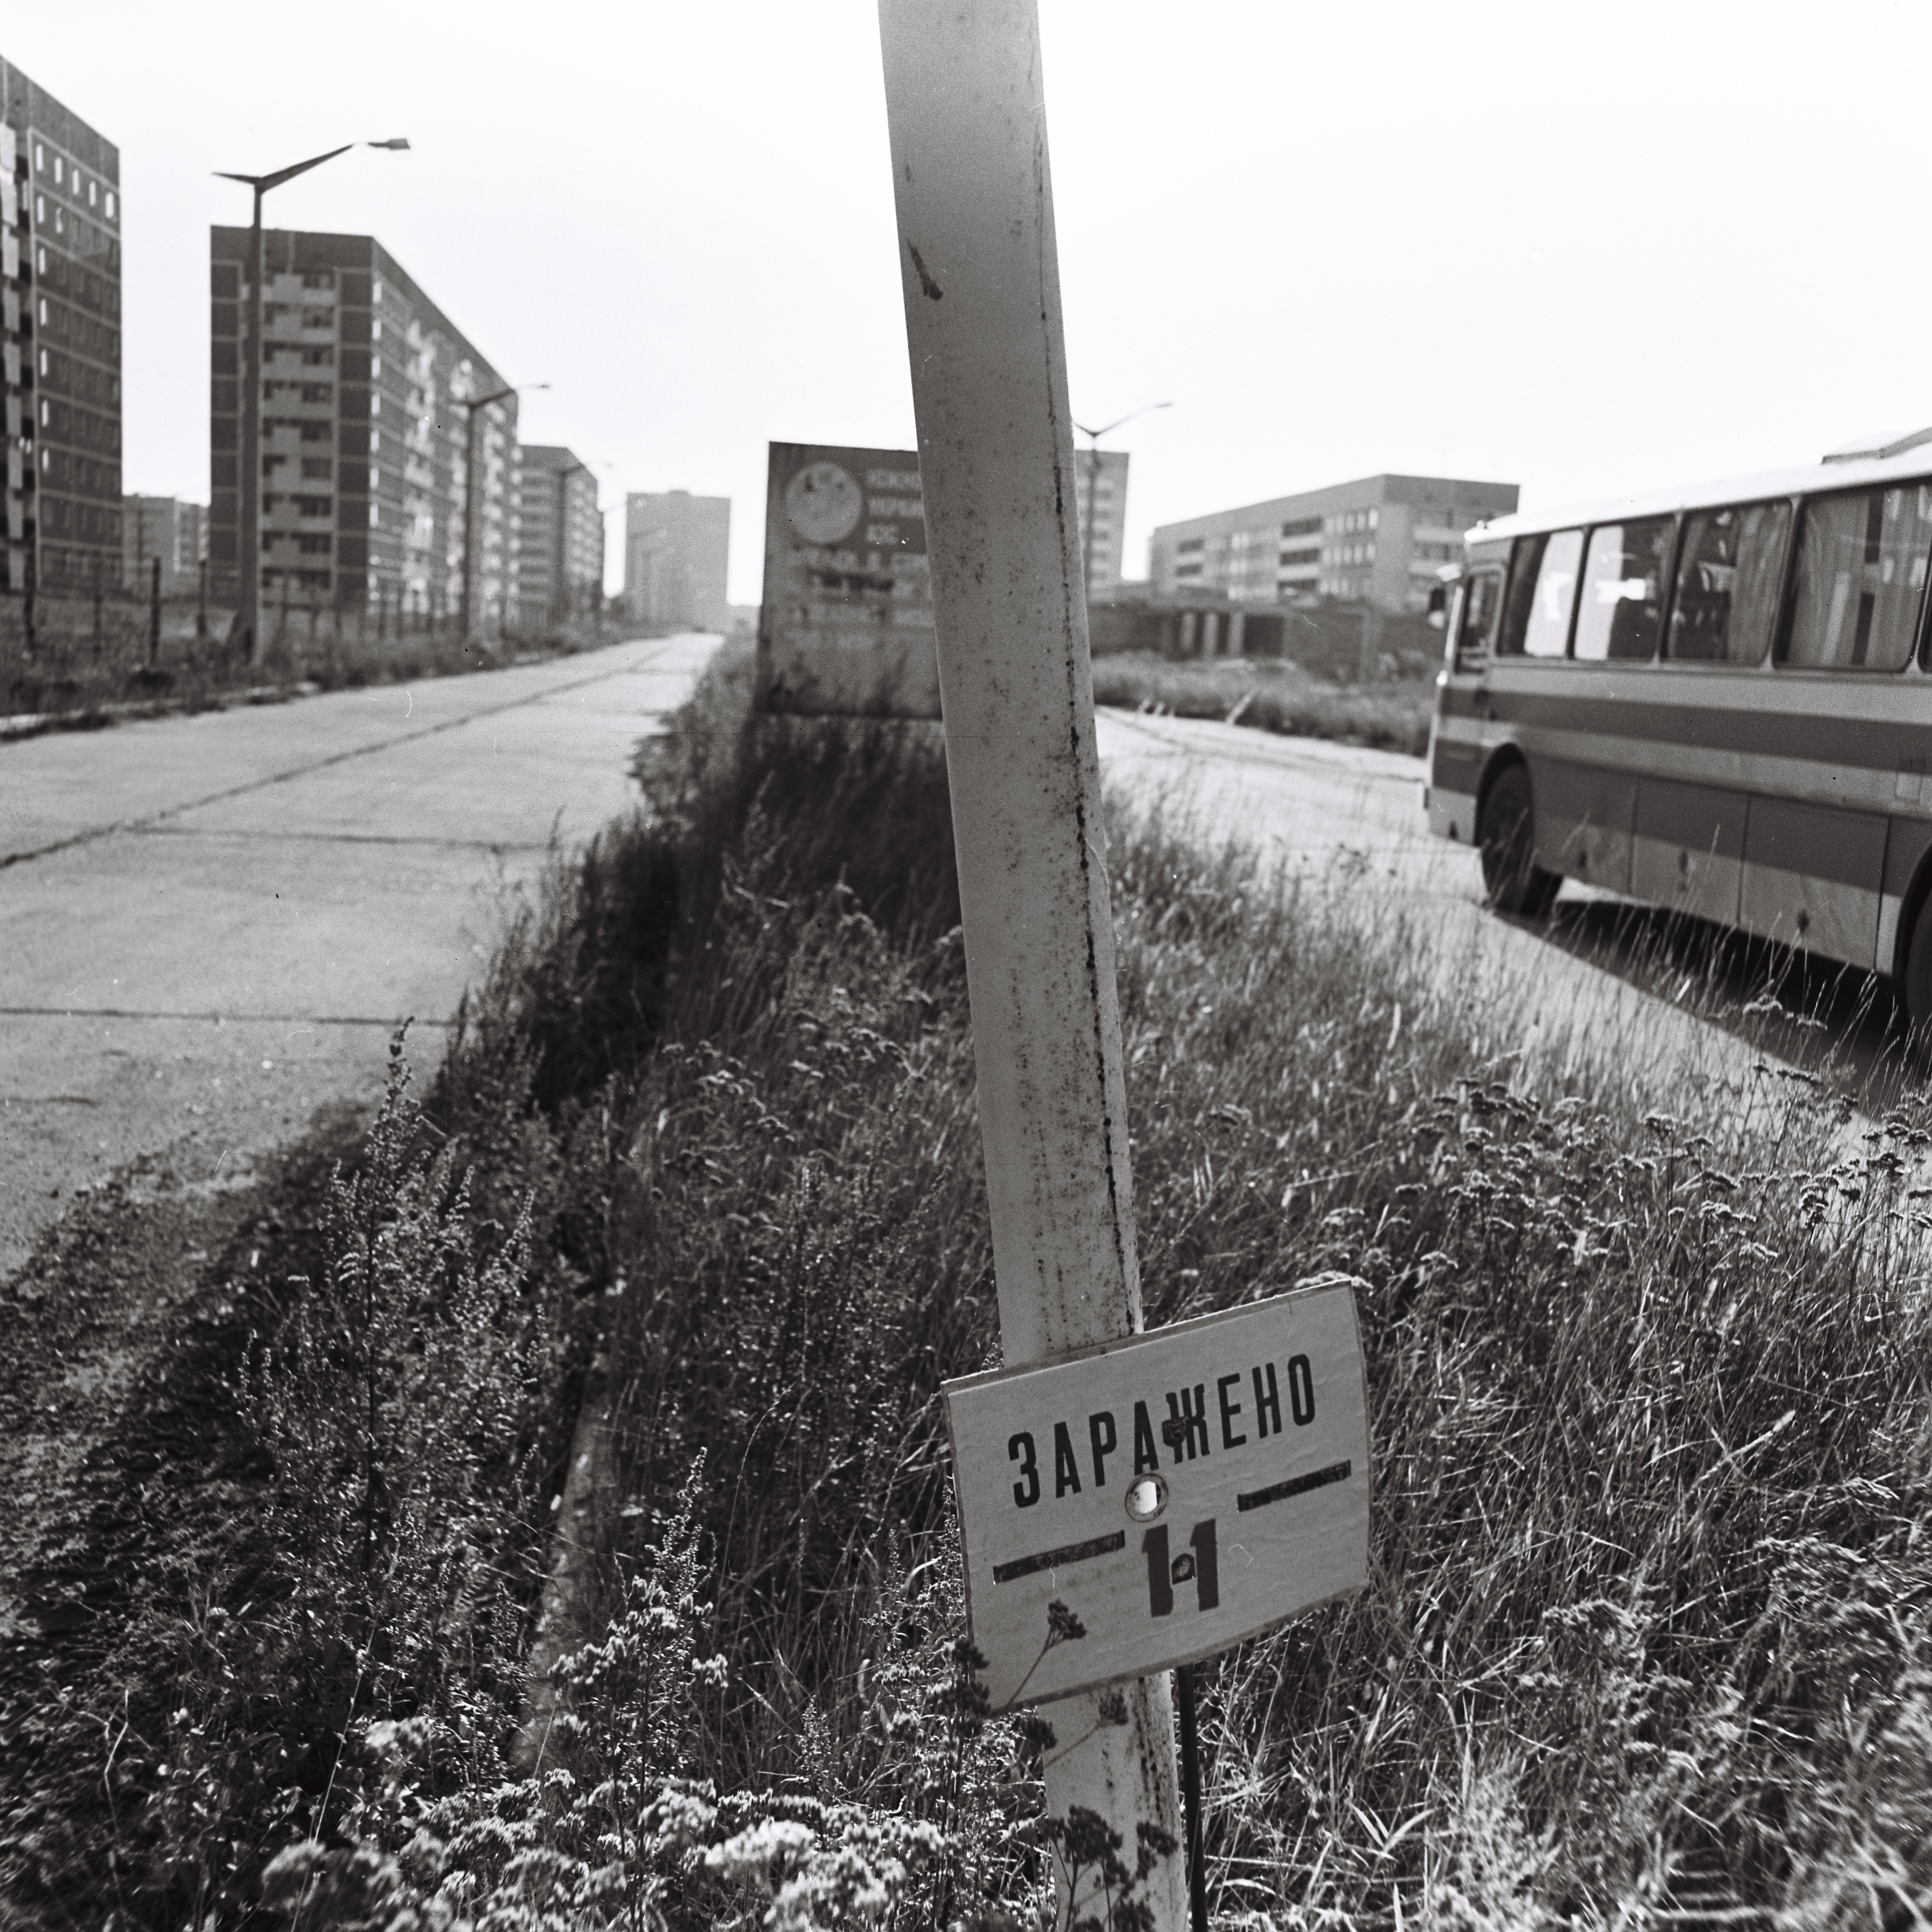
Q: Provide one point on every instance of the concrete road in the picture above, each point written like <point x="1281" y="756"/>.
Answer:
<point x="1573" y="1001"/>
<point x="210" y="925"/>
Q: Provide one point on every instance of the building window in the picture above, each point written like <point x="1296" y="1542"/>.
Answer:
<point x="110" y="204"/>
<point x="44" y="311"/>
<point x="90" y="194"/>
<point x="41" y="215"/>
<point x="57" y="171"/>
<point x="1188" y="546"/>
<point x="44" y="362"/>
<point x="40" y="159"/>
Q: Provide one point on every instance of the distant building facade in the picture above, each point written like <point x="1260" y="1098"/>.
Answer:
<point x="167" y="528"/>
<point x="1378" y="541"/>
<point x="60" y="340"/>
<point x="560" y="547"/>
<point x="369" y="451"/>
<point x="676" y="551"/>
<point x="1106" y="480"/>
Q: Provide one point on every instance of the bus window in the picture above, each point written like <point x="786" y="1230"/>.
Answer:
<point x="1542" y="589"/>
<point x="1861" y="571"/>
<point x="1728" y="582"/>
<point x="1482" y="603"/>
<point x="1622" y="604"/>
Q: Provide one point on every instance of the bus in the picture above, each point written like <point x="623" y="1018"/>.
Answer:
<point x="1717" y="700"/>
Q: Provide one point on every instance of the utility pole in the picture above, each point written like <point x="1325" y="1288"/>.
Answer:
<point x="245" y="632"/>
<point x="980" y="276"/>
<point x="469" y="511"/>
<point x="1093" y="436"/>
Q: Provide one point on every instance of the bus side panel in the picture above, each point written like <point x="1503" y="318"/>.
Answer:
<point x="1455" y="770"/>
<point x="1911" y="839"/>
<point x="1584" y="817"/>
<point x="1812" y="877"/>
<point x="1690" y="848"/>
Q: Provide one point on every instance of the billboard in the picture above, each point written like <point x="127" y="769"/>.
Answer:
<point x="845" y="629"/>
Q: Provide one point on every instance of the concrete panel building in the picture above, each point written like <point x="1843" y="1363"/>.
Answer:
<point x="560" y="550"/>
<point x="1378" y="541"/>
<point x="1107" y="481"/>
<point x="676" y="548"/>
<point x="369" y="450"/>
<point x="167" y="528"/>
<point x="60" y="340"/>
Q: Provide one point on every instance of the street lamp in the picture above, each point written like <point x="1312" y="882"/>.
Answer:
<point x="248" y="546"/>
<point x="1093" y="481"/>
<point x="470" y="408"/>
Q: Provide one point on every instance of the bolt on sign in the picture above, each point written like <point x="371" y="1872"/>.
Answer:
<point x="845" y="629"/>
<point x="1166" y="1496"/>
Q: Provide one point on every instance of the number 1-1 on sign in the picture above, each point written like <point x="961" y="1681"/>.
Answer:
<point x="1176" y="1492"/>
<point x="1197" y="1566"/>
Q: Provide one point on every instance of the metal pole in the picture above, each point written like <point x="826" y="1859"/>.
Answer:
<point x="468" y="509"/>
<point x="1093" y="505"/>
<point x="155" y="611"/>
<point x="201" y="607"/>
<point x="246" y="629"/>
<point x="980" y="276"/>
<point x="1190" y="1792"/>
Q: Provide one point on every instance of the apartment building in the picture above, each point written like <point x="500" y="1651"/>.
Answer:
<point x="389" y="440"/>
<point x="1103" y="478"/>
<point x="166" y="528"/>
<point x="1378" y="541"/>
<point x="677" y="547"/>
<point x="60" y="340"/>
<point x="560" y="550"/>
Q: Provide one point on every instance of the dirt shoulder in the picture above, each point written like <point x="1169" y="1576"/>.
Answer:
<point x="119" y="1454"/>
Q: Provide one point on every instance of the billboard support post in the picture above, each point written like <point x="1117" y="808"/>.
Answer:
<point x="980" y="276"/>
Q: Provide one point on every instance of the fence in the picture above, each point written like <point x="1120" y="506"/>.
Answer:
<point x="69" y="645"/>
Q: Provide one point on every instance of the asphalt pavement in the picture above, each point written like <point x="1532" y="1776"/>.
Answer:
<point x="210" y="925"/>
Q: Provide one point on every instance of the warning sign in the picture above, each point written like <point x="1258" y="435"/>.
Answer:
<point x="1165" y="1496"/>
<point x="845" y="629"/>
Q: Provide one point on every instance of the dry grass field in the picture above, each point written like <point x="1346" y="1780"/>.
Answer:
<point x="1270" y="695"/>
<point x="1650" y="1613"/>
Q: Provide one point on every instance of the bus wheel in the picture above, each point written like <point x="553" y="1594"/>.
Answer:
<point x="1507" y="834"/>
<point x="1918" y="987"/>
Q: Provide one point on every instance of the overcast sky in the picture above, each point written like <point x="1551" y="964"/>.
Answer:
<point x="1584" y="249"/>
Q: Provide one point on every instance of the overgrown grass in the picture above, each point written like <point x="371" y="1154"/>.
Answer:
<point x="1269" y="695"/>
<point x="69" y="676"/>
<point x="1650" y="1590"/>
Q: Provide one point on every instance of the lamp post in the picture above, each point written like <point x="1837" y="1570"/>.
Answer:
<point x="1093" y="436"/>
<point x="470" y="408"/>
<point x="246" y="628"/>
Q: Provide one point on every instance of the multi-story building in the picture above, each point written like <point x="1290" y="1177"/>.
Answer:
<point x="60" y="340"/>
<point x="560" y="550"/>
<point x="676" y="546"/>
<point x="1107" y="479"/>
<point x="167" y="528"/>
<point x="1379" y="540"/>
<point x="379" y="493"/>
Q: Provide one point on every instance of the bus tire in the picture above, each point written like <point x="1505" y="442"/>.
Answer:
<point x="1916" y="982"/>
<point x="1506" y="833"/>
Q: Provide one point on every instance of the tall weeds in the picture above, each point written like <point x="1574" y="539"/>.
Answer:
<point x="1650" y="1589"/>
